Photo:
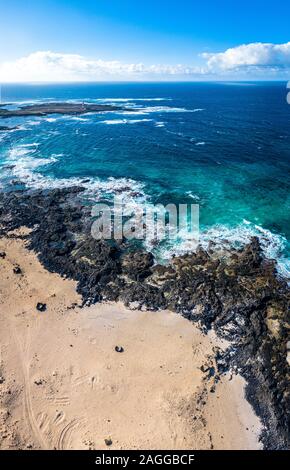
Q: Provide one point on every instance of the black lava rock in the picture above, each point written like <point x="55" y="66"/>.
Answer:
<point x="41" y="307"/>
<point x="17" y="270"/>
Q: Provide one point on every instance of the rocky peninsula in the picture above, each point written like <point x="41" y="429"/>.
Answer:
<point x="64" y="108"/>
<point x="7" y="128"/>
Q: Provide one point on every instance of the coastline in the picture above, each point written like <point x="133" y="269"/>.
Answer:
<point x="62" y="108"/>
<point x="144" y="232"/>
<point x="240" y="299"/>
<point x="64" y="386"/>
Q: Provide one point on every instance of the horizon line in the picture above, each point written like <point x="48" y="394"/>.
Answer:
<point x="63" y="82"/>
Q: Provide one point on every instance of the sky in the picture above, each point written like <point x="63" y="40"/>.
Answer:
<point x="80" y="40"/>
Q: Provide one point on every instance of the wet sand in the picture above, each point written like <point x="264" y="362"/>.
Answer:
<point x="63" y="385"/>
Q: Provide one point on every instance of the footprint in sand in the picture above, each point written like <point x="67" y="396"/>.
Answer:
<point x="59" y="418"/>
<point x="42" y="421"/>
<point x="62" y="401"/>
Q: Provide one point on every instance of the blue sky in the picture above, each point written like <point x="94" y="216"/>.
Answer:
<point x="152" y="33"/>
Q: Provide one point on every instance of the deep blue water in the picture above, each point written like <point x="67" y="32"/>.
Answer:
<point x="225" y="146"/>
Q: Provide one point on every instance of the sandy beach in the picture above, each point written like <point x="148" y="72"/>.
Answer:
<point x="64" y="386"/>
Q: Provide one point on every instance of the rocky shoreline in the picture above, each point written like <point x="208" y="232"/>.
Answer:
<point x="65" y="108"/>
<point x="241" y="296"/>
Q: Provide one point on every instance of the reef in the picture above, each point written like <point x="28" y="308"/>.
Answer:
<point x="7" y="128"/>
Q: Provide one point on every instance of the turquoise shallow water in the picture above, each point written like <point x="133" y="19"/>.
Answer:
<point x="224" y="146"/>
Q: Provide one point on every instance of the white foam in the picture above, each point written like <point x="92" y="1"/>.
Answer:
<point x="76" y="118"/>
<point x="193" y="196"/>
<point x="200" y="143"/>
<point x="34" y="144"/>
<point x="123" y="121"/>
<point x="131" y="113"/>
<point x="56" y="118"/>
<point x="18" y="152"/>
<point x="125" y="100"/>
<point x="30" y="101"/>
<point x="25" y="165"/>
<point x="34" y="123"/>
<point x="164" y="109"/>
<point x="224" y="238"/>
<point x="50" y="119"/>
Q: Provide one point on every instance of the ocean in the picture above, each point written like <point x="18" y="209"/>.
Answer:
<point x="224" y="146"/>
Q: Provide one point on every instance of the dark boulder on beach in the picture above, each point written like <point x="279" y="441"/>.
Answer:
<point x="41" y="307"/>
<point x="17" y="270"/>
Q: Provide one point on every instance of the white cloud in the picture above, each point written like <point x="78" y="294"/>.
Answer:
<point x="246" y="61"/>
<point x="256" y="55"/>
<point x="51" y="66"/>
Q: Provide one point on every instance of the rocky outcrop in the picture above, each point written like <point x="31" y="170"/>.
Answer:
<point x="44" y="109"/>
<point x="6" y="128"/>
<point x="137" y="264"/>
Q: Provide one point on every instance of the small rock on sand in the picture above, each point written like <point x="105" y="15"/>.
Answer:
<point x="17" y="270"/>
<point x="41" y="307"/>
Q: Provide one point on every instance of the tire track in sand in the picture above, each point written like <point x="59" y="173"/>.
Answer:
<point x="23" y="351"/>
<point x="63" y="440"/>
